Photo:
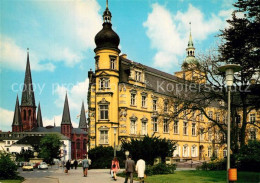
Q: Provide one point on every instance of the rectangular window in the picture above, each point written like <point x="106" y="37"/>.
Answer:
<point x="217" y="117"/>
<point x="144" y="128"/>
<point x="165" y="109"/>
<point x="185" y="128"/>
<point x="201" y="117"/>
<point x="225" y="152"/>
<point x="193" y="130"/>
<point x="155" y="124"/>
<point x="252" y="135"/>
<point x="103" y="137"/>
<point x="103" y="112"/>
<point x="133" y="99"/>
<point x="143" y="101"/>
<point x="165" y="126"/>
<point x="176" y="127"/>
<point x="209" y="152"/>
<point x="133" y="127"/>
<point x="210" y="115"/>
<point x="104" y="83"/>
<point x="201" y="134"/>
<point x="113" y="63"/>
<point x="225" y="119"/>
<point x="155" y="105"/>
<point x="209" y="135"/>
<point x="138" y="76"/>
<point x="252" y="117"/>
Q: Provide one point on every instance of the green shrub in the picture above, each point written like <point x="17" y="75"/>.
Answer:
<point x="160" y="168"/>
<point x="101" y="157"/>
<point x="8" y="169"/>
<point x="248" y="158"/>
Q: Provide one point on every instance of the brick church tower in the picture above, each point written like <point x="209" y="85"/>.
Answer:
<point x="28" y="107"/>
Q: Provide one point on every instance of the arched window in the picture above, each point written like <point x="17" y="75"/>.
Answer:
<point x="84" y="144"/>
<point x="24" y="114"/>
<point x="30" y="112"/>
<point x="78" y="143"/>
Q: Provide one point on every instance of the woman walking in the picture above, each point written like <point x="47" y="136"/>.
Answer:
<point x="114" y="167"/>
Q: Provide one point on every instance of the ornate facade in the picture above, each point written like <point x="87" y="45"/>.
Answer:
<point x="127" y="99"/>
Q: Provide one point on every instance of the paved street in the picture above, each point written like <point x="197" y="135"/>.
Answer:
<point x="55" y="175"/>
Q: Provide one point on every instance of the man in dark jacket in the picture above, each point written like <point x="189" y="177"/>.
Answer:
<point x="129" y="168"/>
<point x="75" y="164"/>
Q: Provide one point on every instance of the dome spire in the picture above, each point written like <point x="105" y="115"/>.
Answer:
<point x="190" y="43"/>
<point x="190" y="49"/>
<point x="107" y="14"/>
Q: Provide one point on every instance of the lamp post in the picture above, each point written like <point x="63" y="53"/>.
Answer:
<point x="126" y="154"/>
<point x="229" y="69"/>
<point x="115" y="127"/>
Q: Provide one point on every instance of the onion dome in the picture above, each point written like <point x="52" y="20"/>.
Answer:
<point x="107" y="38"/>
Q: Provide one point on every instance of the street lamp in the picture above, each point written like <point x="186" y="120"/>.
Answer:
<point x="229" y="69"/>
<point x="115" y="127"/>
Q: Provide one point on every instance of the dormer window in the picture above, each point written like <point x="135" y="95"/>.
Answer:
<point x="138" y="76"/>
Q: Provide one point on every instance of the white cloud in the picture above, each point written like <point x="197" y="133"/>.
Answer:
<point x="6" y="119"/>
<point x="76" y="94"/>
<point x="61" y="32"/>
<point x="169" y="32"/>
<point x="13" y="56"/>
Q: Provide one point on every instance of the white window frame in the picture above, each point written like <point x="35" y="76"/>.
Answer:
<point x="155" y="124"/>
<point x="185" y="152"/>
<point x="133" y="99"/>
<point x="185" y="127"/>
<point x="177" y="151"/>
<point x="103" y="138"/>
<point x="112" y="63"/>
<point x="252" y="117"/>
<point x="144" y="128"/>
<point x="103" y="109"/>
<point x="210" y="115"/>
<point x="138" y="76"/>
<point x="194" y="151"/>
<point x="104" y="83"/>
<point x="176" y="127"/>
<point x="154" y="104"/>
<point x="133" y="127"/>
<point x="209" y="152"/>
<point x="165" y="125"/>
<point x="144" y="98"/>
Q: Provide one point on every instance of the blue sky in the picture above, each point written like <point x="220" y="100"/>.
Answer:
<point x="60" y="35"/>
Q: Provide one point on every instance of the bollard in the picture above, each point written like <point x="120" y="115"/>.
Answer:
<point x="232" y="174"/>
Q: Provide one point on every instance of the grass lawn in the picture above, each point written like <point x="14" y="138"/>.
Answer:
<point x="10" y="181"/>
<point x="202" y="176"/>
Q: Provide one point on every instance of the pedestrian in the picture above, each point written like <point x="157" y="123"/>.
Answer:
<point x="72" y="164"/>
<point x="85" y="165"/>
<point x="75" y="164"/>
<point x="67" y="167"/>
<point x="129" y="168"/>
<point x="114" y="167"/>
<point x="140" y="168"/>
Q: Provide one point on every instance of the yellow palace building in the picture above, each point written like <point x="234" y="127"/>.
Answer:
<point x="127" y="99"/>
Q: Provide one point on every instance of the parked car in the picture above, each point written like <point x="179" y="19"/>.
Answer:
<point x="36" y="165"/>
<point x="42" y="166"/>
<point x="27" y="167"/>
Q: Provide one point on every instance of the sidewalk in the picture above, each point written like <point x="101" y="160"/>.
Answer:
<point x="94" y="176"/>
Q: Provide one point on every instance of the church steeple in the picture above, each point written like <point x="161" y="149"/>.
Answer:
<point x="28" y="107"/>
<point x="17" y="125"/>
<point x="66" y="112"/>
<point x="28" y="93"/>
<point x="39" y="117"/>
<point x="66" y="126"/>
<point x="82" y="119"/>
